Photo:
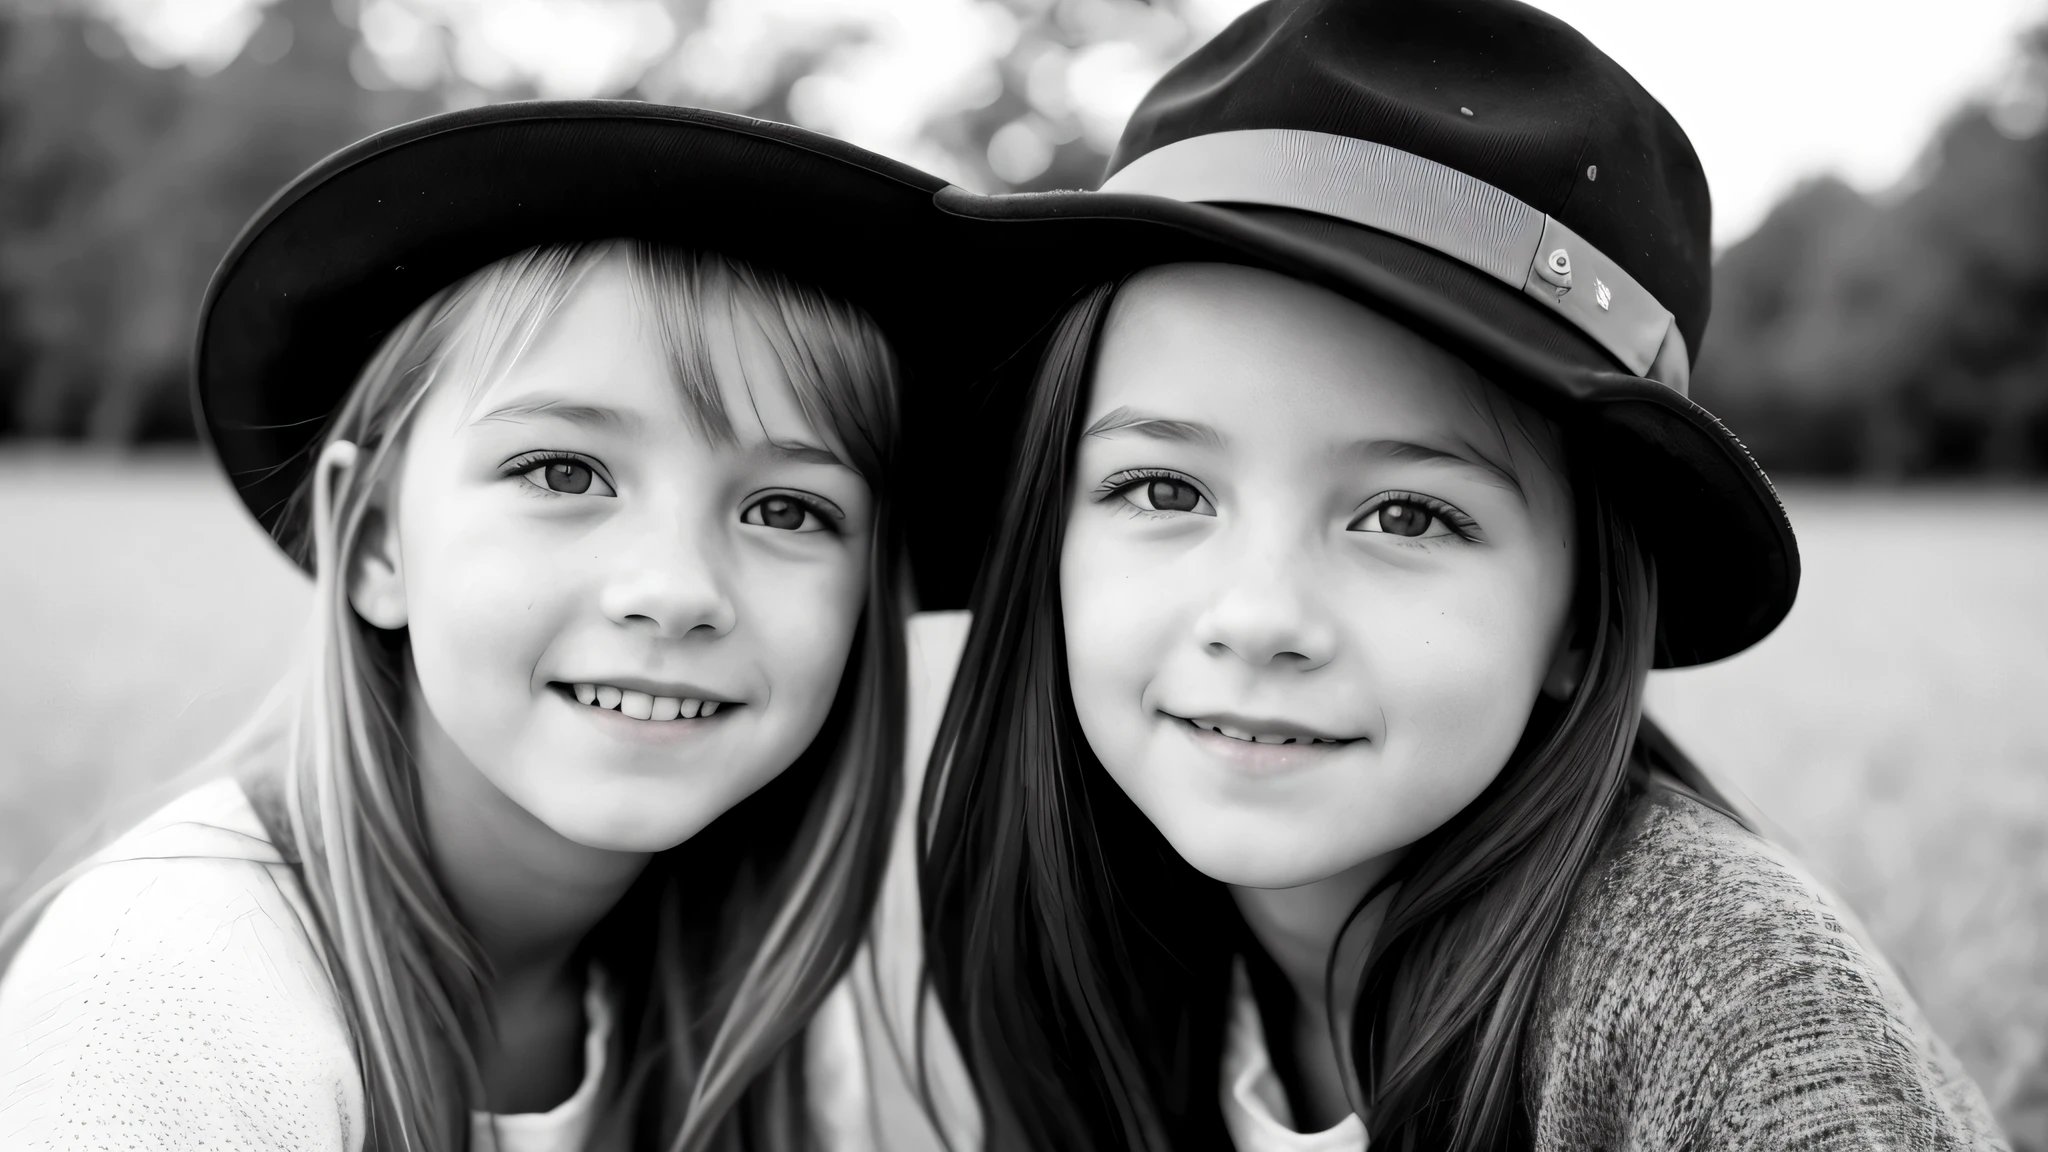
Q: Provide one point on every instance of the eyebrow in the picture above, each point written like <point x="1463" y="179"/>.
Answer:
<point x="1409" y="450"/>
<point x="590" y="415"/>
<point x="800" y="452"/>
<point x="1123" y="419"/>
<point x="598" y="416"/>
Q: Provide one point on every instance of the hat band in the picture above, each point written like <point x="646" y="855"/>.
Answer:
<point x="1430" y="204"/>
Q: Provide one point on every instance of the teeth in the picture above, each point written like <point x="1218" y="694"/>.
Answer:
<point x="1241" y="734"/>
<point x="643" y="705"/>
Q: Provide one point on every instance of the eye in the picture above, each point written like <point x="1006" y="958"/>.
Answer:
<point x="1398" y="519"/>
<point x="565" y="474"/>
<point x="786" y="512"/>
<point x="1413" y="517"/>
<point x="1159" y="492"/>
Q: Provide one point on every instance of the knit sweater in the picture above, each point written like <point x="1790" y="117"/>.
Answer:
<point x="1705" y="993"/>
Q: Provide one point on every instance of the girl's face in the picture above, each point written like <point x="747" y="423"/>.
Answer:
<point x="1315" y="572"/>
<point x="623" y="624"/>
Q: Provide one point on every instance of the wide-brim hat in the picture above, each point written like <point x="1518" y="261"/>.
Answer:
<point x="344" y="253"/>
<point x="1484" y="174"/>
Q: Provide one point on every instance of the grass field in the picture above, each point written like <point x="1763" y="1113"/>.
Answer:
<point x="1895" y="729"/>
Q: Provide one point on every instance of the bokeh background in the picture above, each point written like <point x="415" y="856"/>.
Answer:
<point x="1880" y="338"/>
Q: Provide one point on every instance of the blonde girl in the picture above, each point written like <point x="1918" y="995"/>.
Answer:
<point x="573" y="810"/>
<point x="1294" y="793"/>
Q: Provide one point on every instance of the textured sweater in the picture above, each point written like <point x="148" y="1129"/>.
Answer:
<point x="1705" y="993"/>
<point x="172" y="996"/>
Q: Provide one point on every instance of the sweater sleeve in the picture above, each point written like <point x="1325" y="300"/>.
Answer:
<point x="1707" y="994"/>
<point x="174" y="1003"/>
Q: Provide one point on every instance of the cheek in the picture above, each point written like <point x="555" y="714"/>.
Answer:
<point x="1456" y="680"/>
<point x="1119" y="618"/>
<point x="483" y="601"/>
<point x="802" y="619"/>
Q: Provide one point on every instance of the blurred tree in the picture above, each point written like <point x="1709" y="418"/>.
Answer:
<point x="1075" y="72"/>
<point x="1897" y="335"/>
<point x="1907" y="336"/>
<point x="122" y="182"/>
<point x="1766" y="288"/>
<point x="121" y="186"/>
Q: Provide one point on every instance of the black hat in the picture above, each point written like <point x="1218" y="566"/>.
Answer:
<point x="1480" y="171"/>
<point x="350" y="248"/>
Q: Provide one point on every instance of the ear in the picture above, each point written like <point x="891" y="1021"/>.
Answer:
<point x="1567" y="669"/>
<point x="376" y="571"/>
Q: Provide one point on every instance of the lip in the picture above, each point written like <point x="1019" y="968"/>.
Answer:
<point x="1288" y="730"/>
<point x="1260" y="760"/>
<point x="1256" y="760"/>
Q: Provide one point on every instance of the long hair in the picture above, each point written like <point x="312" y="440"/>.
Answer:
<point x="1085" y="967"/>
<point x="721" y="950"/>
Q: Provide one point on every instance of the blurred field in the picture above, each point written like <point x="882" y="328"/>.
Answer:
<point x="1895" y="728"/>
<point x="142" y="614"/>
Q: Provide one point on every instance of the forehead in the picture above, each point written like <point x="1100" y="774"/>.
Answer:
<point x="603" y="347"/>
<point x="1245" y="349"/>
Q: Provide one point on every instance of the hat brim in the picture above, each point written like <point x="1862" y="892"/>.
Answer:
<point x="347" y="251"/>
<point x="1727" y="561"/>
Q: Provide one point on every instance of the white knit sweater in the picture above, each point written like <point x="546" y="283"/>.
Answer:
<point x="171" y="996"/>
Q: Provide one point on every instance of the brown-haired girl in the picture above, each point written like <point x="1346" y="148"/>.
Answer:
<point x="1294" y="791"/>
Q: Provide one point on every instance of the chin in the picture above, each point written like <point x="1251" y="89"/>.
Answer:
<point x="619" y="835"/>
<point x="627" y="817"/>
<point x="1230" y="853"/>
<point x="1251" y="870"/>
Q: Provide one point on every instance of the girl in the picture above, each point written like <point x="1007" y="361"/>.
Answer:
<point x="575" y="808"/>
<point x="1294" y="792"/>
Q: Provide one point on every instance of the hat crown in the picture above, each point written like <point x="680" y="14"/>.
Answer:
<point x="1497" y="90"/>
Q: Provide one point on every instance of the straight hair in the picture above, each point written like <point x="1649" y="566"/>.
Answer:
<point x="725" y="945"/>
<point x="1085" y="967"/>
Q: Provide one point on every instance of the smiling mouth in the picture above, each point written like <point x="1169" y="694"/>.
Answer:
<point x="1247" y="736"/>
<point x="643" y="705"/>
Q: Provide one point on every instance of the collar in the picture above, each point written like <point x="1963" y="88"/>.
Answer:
<point x="567" y="1125"/>
<point x="1254" y="1102"/>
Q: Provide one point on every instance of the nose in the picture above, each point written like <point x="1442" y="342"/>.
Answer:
<point x="1266" y="614"/>
<point x="671" y="581"/>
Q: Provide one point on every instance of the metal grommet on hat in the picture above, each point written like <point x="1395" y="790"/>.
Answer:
<point x="1556" y="269"/>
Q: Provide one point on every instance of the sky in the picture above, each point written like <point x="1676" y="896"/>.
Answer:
<point x="1776" y="91"/>
<point x="1771" y="92"/>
